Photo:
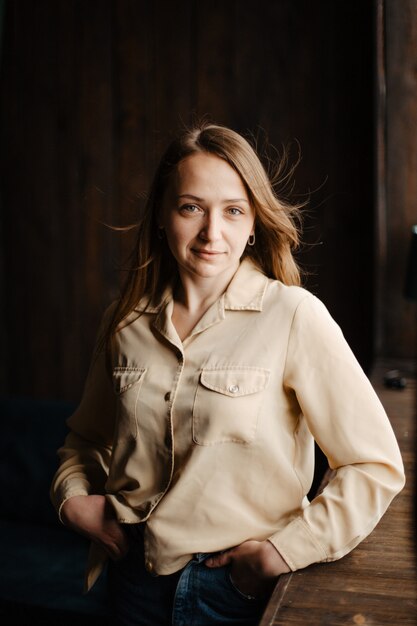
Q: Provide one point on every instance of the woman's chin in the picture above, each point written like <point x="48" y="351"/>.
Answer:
<point x="210" y="268"/>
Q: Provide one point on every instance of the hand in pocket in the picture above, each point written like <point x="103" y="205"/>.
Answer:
<point x="93" y="517"/>
<point x="254" y="566"/>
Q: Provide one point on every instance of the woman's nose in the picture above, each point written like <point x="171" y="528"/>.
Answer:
<point x="211" y="228"/>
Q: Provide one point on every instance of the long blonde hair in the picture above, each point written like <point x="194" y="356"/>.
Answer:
<point x="152" y="267"/>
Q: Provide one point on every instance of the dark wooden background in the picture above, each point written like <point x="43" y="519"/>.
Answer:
<point x="398" y="317"/>
<point x="91" y="92"/>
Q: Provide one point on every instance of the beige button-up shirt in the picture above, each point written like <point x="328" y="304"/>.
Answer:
<point x="210" y="440"/>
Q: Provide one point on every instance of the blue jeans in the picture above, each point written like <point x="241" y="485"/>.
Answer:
<point x="194" y="596"/>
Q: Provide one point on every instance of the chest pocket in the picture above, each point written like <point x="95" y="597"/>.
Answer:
<point x="127" y="382"/>
<point x="227" y="404"/>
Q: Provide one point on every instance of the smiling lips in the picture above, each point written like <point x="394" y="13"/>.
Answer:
<point x="206" y="253"/>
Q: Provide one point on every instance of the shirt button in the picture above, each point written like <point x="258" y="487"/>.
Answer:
<point x="234" y="388"/>
<point x="167" y="396"/>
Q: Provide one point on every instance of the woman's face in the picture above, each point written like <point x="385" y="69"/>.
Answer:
<point x="207" y="217"/>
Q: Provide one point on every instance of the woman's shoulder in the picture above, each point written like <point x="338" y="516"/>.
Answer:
<point x="296" y="301"/>
<point x="287" y="295"/>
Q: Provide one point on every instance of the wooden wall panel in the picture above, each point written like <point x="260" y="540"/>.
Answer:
<point x="175" y="44"/>
<point x="58" y="175"/>
<point x="217" y="45"/>
<point x="399" y="325"/>
<point x="310" y="84"/>
<point x="133" y="101"/>
<point x="92" y="92"/>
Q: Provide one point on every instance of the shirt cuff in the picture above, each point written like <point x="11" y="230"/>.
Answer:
<point x="298" y="546"/>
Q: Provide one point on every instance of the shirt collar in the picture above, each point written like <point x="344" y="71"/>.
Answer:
<point x="245" y="292"/>
<point x="247" y="288"/>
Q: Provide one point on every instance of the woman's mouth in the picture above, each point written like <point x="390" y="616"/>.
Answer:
<point x="206" y="253"/>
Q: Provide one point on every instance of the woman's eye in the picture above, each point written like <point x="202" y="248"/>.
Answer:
<point x="235" y="211"/>
<point x="189" y="208"/>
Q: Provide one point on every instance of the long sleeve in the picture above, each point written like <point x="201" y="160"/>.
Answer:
<point x="350" y="425"/>
<point x="85" y="455"/>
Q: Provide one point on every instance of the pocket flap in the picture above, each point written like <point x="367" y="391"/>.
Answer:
<point x="126" y="377"/>
<point x="235" y="381"/>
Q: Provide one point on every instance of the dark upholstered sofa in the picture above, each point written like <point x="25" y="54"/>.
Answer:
<point x="41" y="562"/>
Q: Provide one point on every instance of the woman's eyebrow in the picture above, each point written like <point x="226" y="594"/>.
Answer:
<point x="198" y="199"/>
<point x="189" y="195"/>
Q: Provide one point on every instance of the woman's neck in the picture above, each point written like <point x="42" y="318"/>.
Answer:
<point x="193" y="297"/>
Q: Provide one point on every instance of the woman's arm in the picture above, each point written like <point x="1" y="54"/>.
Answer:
<point x="350" y="425"/>
<point x="78" y="486"/>
<point x="93" y="517"/>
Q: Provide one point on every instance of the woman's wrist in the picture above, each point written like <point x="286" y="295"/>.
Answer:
<point x="272" y="562"/>
<point x="69" y="508"/>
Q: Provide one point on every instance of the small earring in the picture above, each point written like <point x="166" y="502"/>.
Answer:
<point x="251" y="240"/>
<point x="160" y="232"/>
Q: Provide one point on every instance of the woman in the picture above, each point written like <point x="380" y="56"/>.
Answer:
<point x="191" y="453"/>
